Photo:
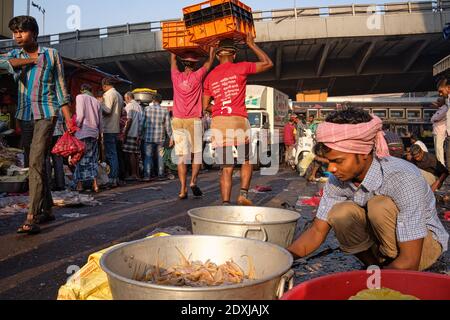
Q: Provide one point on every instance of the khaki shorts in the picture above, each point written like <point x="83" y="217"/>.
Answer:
<point x="188" y="136"/>
<point x="230" y="131"/>
<point x="375" y="227"/>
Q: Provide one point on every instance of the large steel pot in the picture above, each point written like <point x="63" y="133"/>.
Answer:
<point x="276" y="226"/>
<point x="144" y="97"/>
<point x="128" y="261"/>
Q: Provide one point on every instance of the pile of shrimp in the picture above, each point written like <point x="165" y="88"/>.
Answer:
<point x="198" y="274"/>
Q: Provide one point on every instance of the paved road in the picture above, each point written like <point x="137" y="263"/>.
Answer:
<point x="35" y="267"/>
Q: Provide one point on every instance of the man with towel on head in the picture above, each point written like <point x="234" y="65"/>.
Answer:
<point x="380" y="207"/>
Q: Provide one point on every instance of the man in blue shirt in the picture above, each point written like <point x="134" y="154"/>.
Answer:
<point x="42" y="93"/>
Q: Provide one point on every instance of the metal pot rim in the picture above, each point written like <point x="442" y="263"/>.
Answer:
<point x="109" y="273"/>
<point x="248" y="223"/>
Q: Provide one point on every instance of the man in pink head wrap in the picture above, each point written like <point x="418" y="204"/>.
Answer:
<point x="380" y="207"/>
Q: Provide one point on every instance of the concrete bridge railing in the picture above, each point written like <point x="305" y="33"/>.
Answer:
<point x="277" y="16"/>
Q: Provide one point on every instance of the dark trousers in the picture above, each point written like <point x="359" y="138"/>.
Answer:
<point x="37" y="143"/>
<point x="57" y="166"/>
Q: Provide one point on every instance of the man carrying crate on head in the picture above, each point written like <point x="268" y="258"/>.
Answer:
<point x="226" y="84"/>
<point x="187" y="122"/>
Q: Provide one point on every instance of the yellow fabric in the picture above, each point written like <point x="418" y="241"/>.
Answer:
<point x="91" y="283"/>
<point x="382" y="294"/>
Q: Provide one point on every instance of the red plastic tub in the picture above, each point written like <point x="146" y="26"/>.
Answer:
<point x="342" y="286"/>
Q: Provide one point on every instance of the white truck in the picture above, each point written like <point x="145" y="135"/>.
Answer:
<point x="268" y="113"/>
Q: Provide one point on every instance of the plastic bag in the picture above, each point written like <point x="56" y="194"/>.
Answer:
<point x="91" y="283"/>
<point x="70" y="147"/>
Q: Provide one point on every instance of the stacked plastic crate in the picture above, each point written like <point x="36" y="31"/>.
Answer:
<point x="207" y="23"/>
<point x="211" y="21"/>
<point x="177" y="40"/>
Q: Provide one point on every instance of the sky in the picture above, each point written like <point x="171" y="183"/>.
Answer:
<point x="104" y="13"/>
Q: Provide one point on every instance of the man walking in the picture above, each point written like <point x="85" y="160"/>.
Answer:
<point x="112" y="109"/>
<point x="132" y="133"/>
<point x="227" y="84"/>
<point x="439" y="121"/>
<point x="444" y="91"/>
<point x="156" y="127"/>
<point x="41" y="93"/>
<point x="187" y="118"/>
<point x="289" y="141"/>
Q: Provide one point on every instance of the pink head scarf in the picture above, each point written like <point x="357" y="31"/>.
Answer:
<point x="358" y="139"/>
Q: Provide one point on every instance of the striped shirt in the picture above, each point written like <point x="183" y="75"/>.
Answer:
<point x="403" y="183"/>
<point x="42" y="88"/>
<point x="156" y="124"/>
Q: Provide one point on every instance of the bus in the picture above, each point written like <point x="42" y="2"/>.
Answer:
<point x="404" y="118"/>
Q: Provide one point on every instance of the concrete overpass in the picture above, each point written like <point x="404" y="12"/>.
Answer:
<point x="347" y="50"/>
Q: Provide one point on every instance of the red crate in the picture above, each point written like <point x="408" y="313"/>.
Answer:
<point x="214" y="20"/>
<point x="177" y="40"/>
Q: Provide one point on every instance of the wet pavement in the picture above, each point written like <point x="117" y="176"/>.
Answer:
<point x="35" y="267"/>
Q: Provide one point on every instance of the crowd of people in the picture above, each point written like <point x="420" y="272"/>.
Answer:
<point x="120" y="131"/>
<point x="382" y="208"/>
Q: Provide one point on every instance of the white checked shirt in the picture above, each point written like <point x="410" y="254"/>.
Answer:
<point x="402" y="182"/>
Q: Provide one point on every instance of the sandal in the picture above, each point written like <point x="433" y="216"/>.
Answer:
<point x="183" y="197"/>
<point x="196" y="191"/>
<point x="30" y="229"/>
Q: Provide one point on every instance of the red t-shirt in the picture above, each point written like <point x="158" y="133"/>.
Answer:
<point x="187" y="93"/>
<point x="227" y="84"/>
<point x="289" y="138"/>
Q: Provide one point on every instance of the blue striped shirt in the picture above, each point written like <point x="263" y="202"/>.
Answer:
<point x="403" y="183"/>
<point x="41" y="88"/>
<point x="156" y="124"/>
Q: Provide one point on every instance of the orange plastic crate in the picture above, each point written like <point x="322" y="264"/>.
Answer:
<point x="211" y="21"/>
<point x="211" y="32"/>
<point x="177" y="40"/>
<point x="211" y="3"/>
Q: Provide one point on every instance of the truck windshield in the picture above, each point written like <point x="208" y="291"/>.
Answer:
<point x="255" y="120"/>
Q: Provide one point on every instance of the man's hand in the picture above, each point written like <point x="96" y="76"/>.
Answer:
<point x="20" y="63"/>
<point x="435" y="186"/>
<point x="250" y="40"/>
<point x="71" y="127"/>
<point x="171" y="143"/>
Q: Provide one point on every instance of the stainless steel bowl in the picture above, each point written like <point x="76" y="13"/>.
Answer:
<point x="276" y="226"/>
<point x="144" y="97"/>
<point x="123" y="263"/>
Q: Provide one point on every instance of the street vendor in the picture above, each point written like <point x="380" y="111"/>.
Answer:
<point x="41" y="93"/>
<point x="380" y="207"/>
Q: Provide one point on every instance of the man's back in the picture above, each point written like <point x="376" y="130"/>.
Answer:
<point x="135" y="113"/>
<point x="430" y="164"/>
<point x="227" y="83"/>
<point x="289" y="137"/>
<point x="89" y="116"/>
<point x="156" y="124"/>
<point x="188" y="92"/>
<point x="113" y="102"/>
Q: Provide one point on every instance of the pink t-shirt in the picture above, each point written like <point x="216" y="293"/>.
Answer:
<point x="227" y="83"/>
<point x="187" y="93"/>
